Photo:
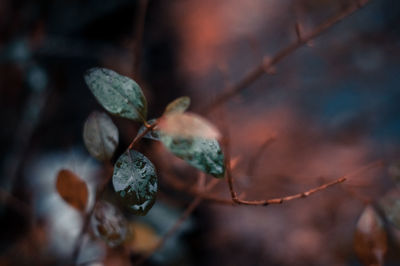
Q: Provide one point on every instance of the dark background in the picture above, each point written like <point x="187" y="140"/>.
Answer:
<point x="334" y="106"/>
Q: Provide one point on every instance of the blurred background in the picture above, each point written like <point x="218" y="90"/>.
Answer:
<point x="333" y="107"/>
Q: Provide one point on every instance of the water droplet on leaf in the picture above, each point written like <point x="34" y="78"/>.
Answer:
<point x="118" y="94"/>
<point x="135" y="181"/>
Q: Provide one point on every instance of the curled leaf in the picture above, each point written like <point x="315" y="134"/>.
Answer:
<point x="118" y="94"/>
<point x="135" y="181"/>
<point x="390" y="204"/>
<point x="187" y="125"/>
<point x="72" y="189"/>
<point x="370" y="240"/>
<point x="109" y="224"/>
<point x="100" y="136"/>
<point x="204" y="154"/>
<point x="178" y="105"/>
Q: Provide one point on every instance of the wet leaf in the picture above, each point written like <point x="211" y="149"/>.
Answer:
<point x="118" y="94"/>
<point x="204" y="154"/>
<point x="109" y="224"/>
<point x="187" y="125"/>
<point x="370" y="240"/>
<point x="100" y="136"/>
<point x="135" y="180"/>
<point x="72" y="189"/>
<point x="143" y="238"/>
<point x="390" y="204"/>
<point x="154" y="134"/>
<point x="178" y="105"/>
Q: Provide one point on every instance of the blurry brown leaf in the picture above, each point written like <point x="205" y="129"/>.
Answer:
<point x="187" y="125"/>
<point x="143" y="238"/>
<point x="390" y="204"/>
<point x="72" y="189"/>
<point x="370" y="240"/>
<point x="109" y="224"/>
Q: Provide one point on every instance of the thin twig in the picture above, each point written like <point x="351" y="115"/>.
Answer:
<point x="264" y="66"/>
<point x="178" y="185"/>
<point x="228" y="169"/>
<point x="306" y="193"/>
<point x="141" y="135"/>
<point x="255" y="159"/>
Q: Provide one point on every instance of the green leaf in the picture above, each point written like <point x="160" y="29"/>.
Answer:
<point x="109" y="224"/>
<point x="154" y="134"/>
<point x="204" y="154"/>
<point x="118" y="94"/>
<point x="100" y="136"/>
<point x="135" y="181"/>
<point x="193" y="139"/>
<point x="178" y="105"/>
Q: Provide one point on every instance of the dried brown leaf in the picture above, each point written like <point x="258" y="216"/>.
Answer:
<point x="72" y="189"/>
<point x="370" y="239"/>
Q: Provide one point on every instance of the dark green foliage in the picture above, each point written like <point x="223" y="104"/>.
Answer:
<point x="135" y="181"/>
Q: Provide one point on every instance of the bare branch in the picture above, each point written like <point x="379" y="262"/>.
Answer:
<point x="306" y="193"/>
<point x="298" y="31"/>
<point x="260" y="69"/>
<point x="141" y="135"/>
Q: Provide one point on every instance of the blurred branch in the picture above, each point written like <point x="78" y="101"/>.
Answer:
<point x="15" y="203"/>
<point x="255" y="159"/>
<point x="192" y="206"/>
<point x="268" y="63"/>
<point x="30" y="119"/>
<point x="140" y="20"/>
